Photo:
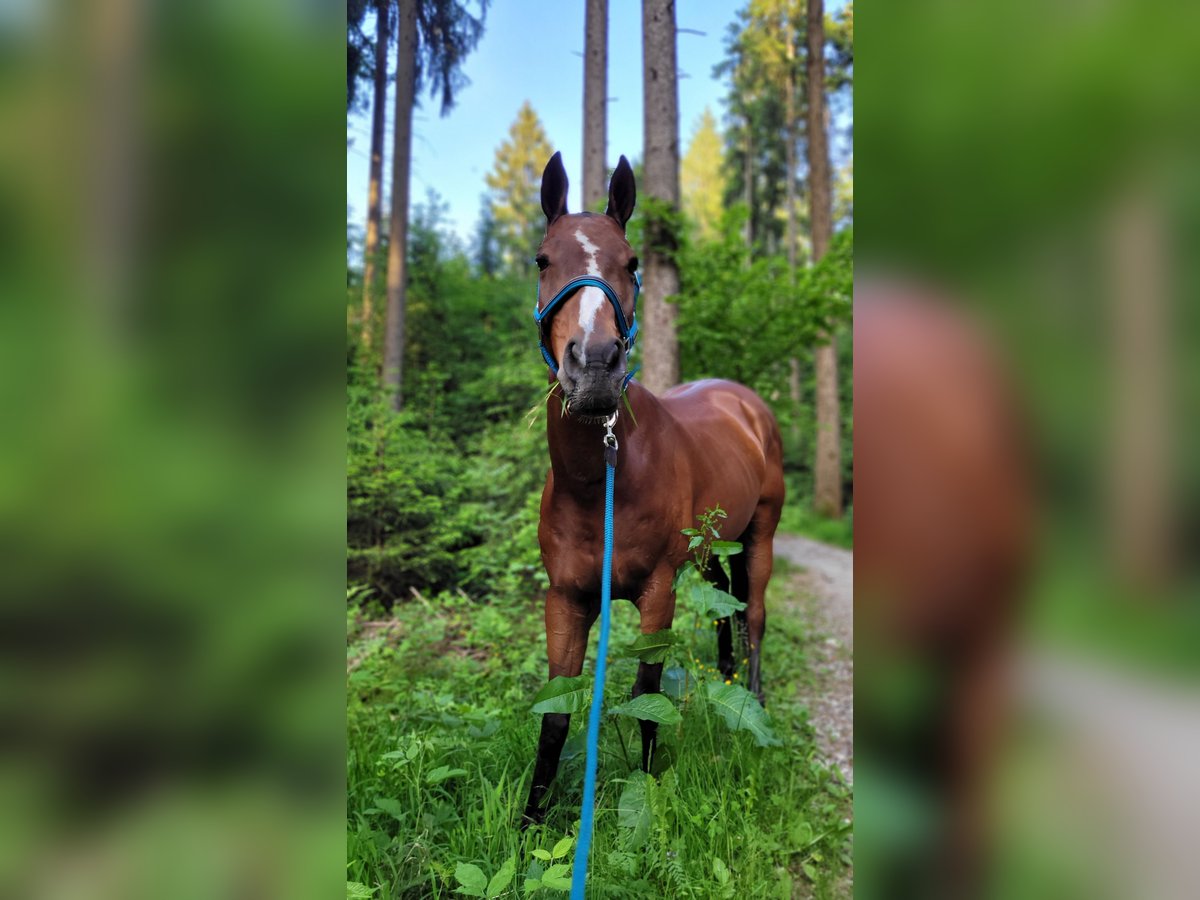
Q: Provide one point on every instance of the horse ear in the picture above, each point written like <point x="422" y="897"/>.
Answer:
<point x="622" y="193"/>
<point x="554" y="189"/>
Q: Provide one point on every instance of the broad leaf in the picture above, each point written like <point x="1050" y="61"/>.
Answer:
<point x="651" y="648"/>
<point x="741" y="711"/>
<point x="501" y="880"/>
<point x="356" y="890"/>
<point x="471" y="880"/>
<point x="676" y="682"/>
<point x="441" y="773"/>
<point x="558" y="877"/>
<point x="391" y="807"/>
<point x="726" y="548"/>
<point x="703" y="598"/>
<point x="718" y="604"/>
<point x="576" y="745"/>
<point x="653" y="707"/>
<point x="720" y="870"/>
<point x="563" y="694"/>
<point x="634" y="809"/>
<point x="561" y="848"/>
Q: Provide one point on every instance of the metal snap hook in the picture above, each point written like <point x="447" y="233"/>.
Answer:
<point x="610" y="439"/>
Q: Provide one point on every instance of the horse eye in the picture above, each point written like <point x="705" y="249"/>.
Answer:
<point x="632" y="265"/>
<point x="542" y="262"/>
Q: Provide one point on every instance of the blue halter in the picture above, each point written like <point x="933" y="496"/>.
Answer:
<point x="628" y="330"/>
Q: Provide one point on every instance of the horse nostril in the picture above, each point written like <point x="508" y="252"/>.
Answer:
<point x="613" y="355"/>
<point x="574" y="353"/>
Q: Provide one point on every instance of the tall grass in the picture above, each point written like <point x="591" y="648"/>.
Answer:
<point x="440" y="749"/>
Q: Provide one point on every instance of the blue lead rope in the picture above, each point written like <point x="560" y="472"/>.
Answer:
<point x="587" y="811"/>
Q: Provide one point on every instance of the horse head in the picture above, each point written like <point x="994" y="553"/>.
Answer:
<point x="587" y="292"/>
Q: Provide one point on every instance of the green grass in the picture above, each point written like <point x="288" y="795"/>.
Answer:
<point x="798" y="517"/>
<point x="441" y="744"/>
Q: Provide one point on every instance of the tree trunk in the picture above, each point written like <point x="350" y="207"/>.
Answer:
<point x="595" y="103"/>
<point x="789" y="98"/>
<point x="789" y="103"/>
<point x="375" y="184"/>
<point x="397" y="275"/>
<point x="1139" y="454"/>
<point x="748" y="189"/>
<point x="827" y="487"/>
<point x="661" y="184"/>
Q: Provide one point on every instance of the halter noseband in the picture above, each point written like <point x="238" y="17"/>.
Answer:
<point x="628" y="330"/>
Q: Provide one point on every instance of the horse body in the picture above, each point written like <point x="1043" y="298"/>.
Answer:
<point x="700" y="445"/>
<point x="714" y="442"/>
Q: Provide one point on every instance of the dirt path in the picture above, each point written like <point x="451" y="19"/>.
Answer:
<point x="827" y="605"/>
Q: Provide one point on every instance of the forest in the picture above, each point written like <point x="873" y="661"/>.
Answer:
<point x="446" y="458"/>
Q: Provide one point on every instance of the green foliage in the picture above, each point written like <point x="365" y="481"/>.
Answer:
<point x="405" y="524"/>
<point x="635" y="811"/>
<point x="745" y="318"/>
<point x="693" y="592"/>
<point x="651" y="707"/>
<point x="759" y="68"/>
<point x="741" y="711"/>
<point x="444" y="495"/>
<point x="563" y="694"/>
<point x="800" y="518"/>
<point x="449" y="690"/>
<point x="651" y="648"/>
<point x="471" y="880"/>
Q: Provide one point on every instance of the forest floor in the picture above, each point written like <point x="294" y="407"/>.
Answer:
<point x="826" y="605"/>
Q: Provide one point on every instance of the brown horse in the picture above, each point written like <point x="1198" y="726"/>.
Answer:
<point x="943" y="526"/>
<point x="698" y="446"/>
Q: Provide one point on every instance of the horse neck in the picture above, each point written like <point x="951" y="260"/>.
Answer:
<point x="577" y="449"/>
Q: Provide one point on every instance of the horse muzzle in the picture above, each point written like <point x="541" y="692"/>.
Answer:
<point x="593" y="376"/>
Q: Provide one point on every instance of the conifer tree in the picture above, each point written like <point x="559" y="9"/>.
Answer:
<point x="700" y="177"/>
<point x="515" y="182"/>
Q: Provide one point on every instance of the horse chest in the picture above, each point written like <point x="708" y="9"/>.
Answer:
<point x="573" y="549"/>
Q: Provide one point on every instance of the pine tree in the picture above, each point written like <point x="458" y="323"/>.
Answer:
<point x="700" y="177"/>
<point x="515" y="183"/>
<point x="433" y="38"/>
<point x="758" y="166"/>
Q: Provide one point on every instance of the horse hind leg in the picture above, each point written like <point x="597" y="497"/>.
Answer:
<point x="726" y="661"/>
<point x="759" y="553"/>
<point x="649" y="681"/>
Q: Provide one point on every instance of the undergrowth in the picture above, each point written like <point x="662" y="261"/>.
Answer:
<point x="441" y="741"/>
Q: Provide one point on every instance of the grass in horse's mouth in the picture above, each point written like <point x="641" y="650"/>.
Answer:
<point x="565" y="408"/>
<point x="598" y="419"/>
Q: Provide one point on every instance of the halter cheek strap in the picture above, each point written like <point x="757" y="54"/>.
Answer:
<point x="628" y="330"/>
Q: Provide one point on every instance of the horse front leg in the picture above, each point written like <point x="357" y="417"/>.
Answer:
<point x="569" y="617"/>
<point x="657" y="609"/>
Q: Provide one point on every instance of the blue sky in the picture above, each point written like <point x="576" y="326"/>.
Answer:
<point x="532" y="50"/>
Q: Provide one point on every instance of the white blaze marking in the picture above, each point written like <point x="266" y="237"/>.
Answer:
<point x="590" y="298"/>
